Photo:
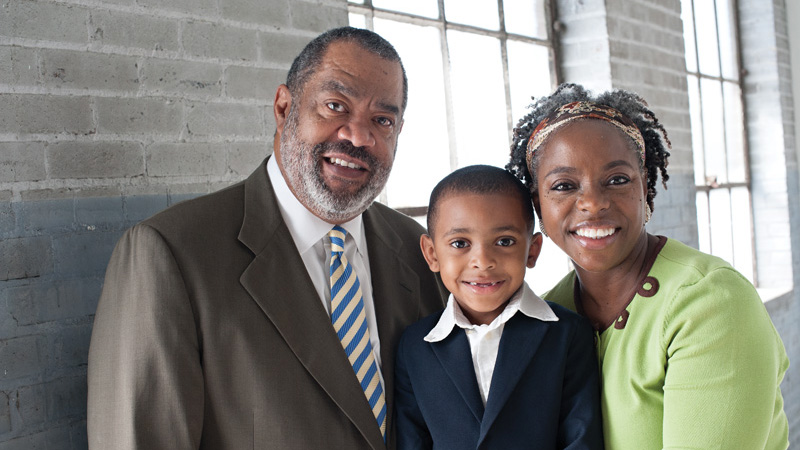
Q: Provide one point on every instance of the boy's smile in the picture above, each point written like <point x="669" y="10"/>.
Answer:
<point x="481" y="246"/>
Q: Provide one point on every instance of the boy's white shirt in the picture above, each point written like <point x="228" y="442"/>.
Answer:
<point x="484" y="340"/>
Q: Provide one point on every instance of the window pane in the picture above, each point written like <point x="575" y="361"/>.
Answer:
<point x="697" y="130"/>
<point x="688" y="35"/>
<point x="714" y="132"/>
<point x="478" y="99"/>
<point x="478" y="13"/>
<point x="528" y="73"/>
<point x="525" y="17"/>
<point x="720" y="214"/>
<point x="707" y="37"/>
<point x="423" y="155"/>
<point x="734" y="132"/>
<point x="727" y="40"/>
<point x="742" y="232"/>
<point x="425" y="8"/>
<point x="357" y="20"/>
<point x="703" y="224"/>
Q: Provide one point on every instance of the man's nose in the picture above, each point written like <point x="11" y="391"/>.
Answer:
<point x="358" y="131"/>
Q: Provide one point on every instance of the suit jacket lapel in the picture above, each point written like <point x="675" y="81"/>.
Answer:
<point x="395" y="293"/>
<point x="292" y="304"/>
<point x="521" y="339"/>
<point x="454" y="355"/>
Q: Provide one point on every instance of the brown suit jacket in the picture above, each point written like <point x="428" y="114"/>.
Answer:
<point x="209" y="333"/>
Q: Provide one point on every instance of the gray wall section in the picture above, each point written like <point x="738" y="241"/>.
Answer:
<point x="114" y="109"/>
<point x="110" y="111"/>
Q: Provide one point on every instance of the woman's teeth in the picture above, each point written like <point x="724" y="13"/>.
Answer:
<point x="595" y="233"/>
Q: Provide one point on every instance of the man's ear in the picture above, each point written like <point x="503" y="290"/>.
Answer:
<point x="281" y="107"/>
<point x="429" y="252"/>
<point x="535" y="250"/>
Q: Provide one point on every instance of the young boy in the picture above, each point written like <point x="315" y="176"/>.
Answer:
<point x="499" y="368"/>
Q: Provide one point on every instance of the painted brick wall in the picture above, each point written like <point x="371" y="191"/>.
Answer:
<point x="774" y="173"/>
<point x="111" y="110"/>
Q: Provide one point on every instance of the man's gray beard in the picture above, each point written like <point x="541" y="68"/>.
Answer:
<point x="303" y="167"/>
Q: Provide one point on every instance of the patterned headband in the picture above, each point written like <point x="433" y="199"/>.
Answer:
<point x="582" y="110"/>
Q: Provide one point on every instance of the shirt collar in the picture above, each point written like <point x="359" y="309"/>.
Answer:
<point x="524" y="301"/>
<point x="306" y="228"/>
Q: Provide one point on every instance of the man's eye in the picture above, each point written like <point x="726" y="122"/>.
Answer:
<point x="506" y="242"/>
<point x="459" y="244"/>
<point x="333" y="106"/>
<point x="385" y="121"/>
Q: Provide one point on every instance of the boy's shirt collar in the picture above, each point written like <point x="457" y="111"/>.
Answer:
<point x="524" y="301"/>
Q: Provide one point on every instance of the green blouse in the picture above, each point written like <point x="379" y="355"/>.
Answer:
<point x="693" y="362"/>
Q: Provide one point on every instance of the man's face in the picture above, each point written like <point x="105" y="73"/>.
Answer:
<point x="338" y="139"/>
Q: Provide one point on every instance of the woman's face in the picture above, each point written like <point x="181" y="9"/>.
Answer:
<point x="590" y="194"/>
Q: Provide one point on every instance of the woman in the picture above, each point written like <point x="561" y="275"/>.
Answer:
<point x="688" y="355"/>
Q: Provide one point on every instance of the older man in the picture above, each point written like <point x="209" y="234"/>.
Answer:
<point x="266" y="315"/>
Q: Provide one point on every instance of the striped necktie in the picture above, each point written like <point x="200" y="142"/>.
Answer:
<point x="350" y="324"/>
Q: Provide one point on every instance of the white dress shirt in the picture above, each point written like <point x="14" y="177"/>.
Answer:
<point x="310" y="236"/>
<point x="484" y="340"/>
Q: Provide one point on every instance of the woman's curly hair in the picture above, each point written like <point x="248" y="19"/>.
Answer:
<point x="656" y="142"/>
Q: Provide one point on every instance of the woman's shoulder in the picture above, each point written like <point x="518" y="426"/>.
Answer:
<point x="678" y="256"/>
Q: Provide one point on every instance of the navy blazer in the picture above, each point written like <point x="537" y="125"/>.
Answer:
<point x="545" y="391"/>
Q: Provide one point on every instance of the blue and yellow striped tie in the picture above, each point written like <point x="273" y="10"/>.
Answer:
<point x="350" y="324"/>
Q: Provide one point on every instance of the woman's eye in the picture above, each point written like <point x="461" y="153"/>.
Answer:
<point x="459" y="244"/>
<point x="333" y="106"/>
<point x="506" y="242"/>
<point x="561" y="187"/>
<point x="619" y="179"/>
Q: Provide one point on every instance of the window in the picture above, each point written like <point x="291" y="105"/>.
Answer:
<point x="472" y="66"/>
<point x="724" y="212"/>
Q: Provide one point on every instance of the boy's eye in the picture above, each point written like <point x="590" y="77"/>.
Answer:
<point x="506" y="242"/>
<point x="459" y="243"/>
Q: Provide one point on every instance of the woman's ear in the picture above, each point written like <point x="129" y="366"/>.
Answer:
<point x="429" y="252"/>
<point x="536" y="205"/>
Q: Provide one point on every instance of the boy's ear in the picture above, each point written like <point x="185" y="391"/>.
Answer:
<point x="534" y="250"/>
<point x="429" y="252"/>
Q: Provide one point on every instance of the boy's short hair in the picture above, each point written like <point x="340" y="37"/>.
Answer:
<point x="480" y="179"/>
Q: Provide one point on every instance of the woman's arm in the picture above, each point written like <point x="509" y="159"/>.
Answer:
<point x="725" y="363"/>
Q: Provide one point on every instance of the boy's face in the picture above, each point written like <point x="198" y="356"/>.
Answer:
<point x="480" y="246"/>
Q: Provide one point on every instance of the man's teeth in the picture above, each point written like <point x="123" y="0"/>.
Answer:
<point x="343" y="163"/>
<point x="595" y="233"/>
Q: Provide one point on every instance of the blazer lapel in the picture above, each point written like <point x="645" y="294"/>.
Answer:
<point x="395" y="293"/>
<point x="521" y="339"/>
<point x="454" y="355"/>
<point x="293" y="306"/>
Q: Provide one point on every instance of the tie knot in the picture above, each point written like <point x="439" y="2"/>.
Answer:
<point x="337" y="235"/>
